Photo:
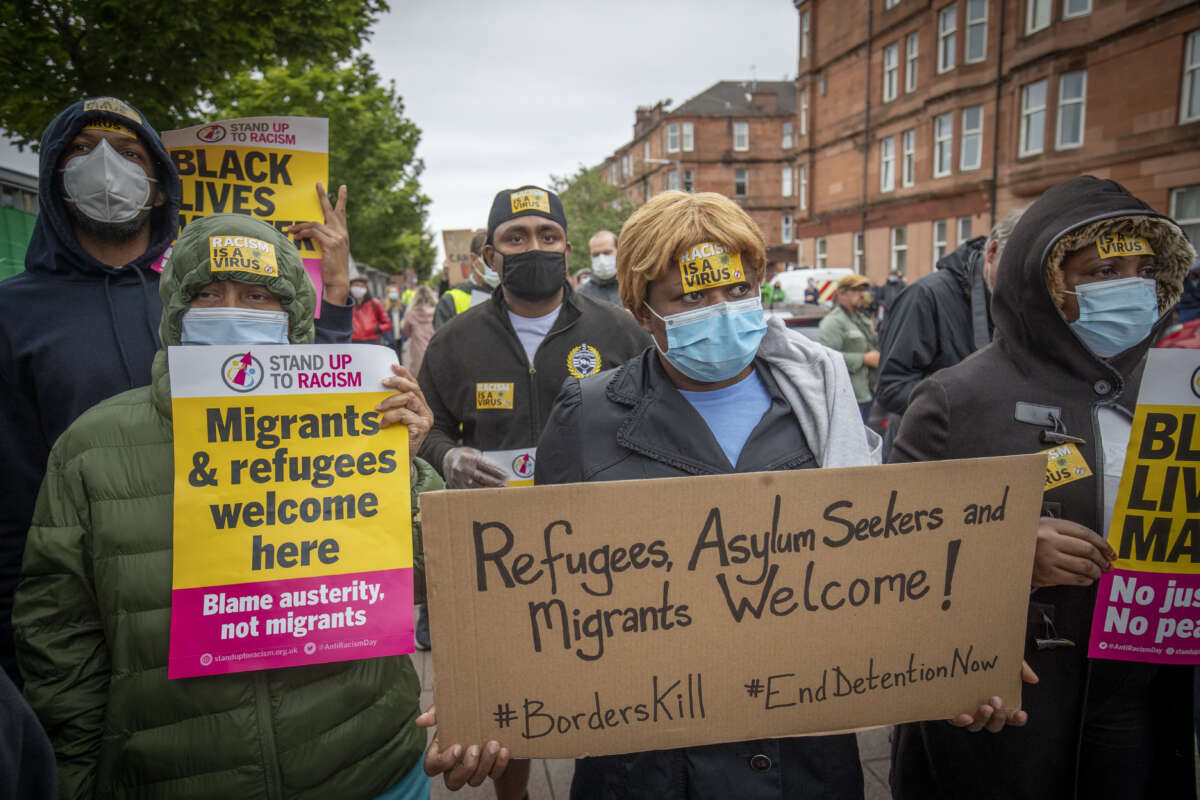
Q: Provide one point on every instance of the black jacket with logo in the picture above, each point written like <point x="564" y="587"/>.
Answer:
<point x="476" y="375"/>
<point x="1097" y="728"/>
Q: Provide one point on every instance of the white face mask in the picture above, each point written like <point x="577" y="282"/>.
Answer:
<point x="490" y="276"/>
<point x="359" y="292"/>
<point x="604" y="266"/>
<point x="106" y="187"/>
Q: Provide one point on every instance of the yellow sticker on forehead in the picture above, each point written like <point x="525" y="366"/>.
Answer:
<point x="707" y="265"/>
<point x="530" y="200"/>
<point x="113" y="106"/>
<point x="242" y="254"/>
<point x="108" y="126"/>
<point x="1111" y="245"/>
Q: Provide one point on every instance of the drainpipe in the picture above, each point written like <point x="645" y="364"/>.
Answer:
<point x="996" y="123"/>
<point x="867" y="129"/>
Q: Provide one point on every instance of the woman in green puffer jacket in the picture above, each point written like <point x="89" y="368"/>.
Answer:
<point x="93" y="607"/>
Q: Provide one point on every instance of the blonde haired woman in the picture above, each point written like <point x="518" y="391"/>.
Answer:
<point x="745" y="395"/>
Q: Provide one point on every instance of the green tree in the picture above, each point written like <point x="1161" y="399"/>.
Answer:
<point x="591" y="205"/>
<point x="164" y="58"/>
<point x="372" y="149"/>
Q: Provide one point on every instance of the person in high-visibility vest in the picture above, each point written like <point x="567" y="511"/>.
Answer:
<point x="475" y="291"/>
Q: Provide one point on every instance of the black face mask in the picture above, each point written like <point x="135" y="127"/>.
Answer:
<point x="535" y="274"/>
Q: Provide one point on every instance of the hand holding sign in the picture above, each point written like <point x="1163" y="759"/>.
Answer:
<point x="1069" y="554"/>
<point x="460" y="765"/>
<point x="406" y="407"/>
<point x="467" y="468"/>
<point x="992" y="714"/>
<point x="334" y="238"/>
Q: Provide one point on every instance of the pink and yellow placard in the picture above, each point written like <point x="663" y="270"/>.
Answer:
<point x="292" y="518"/>
<point x="266" y="167"/>
<point x="1148" y="605"/>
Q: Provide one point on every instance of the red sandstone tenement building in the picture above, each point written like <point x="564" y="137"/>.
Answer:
<point x="737" y="138"/>
<point x="927" y="120"/>
<point x="913" y="124"/>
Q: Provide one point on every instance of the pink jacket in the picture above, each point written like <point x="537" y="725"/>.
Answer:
<point x="417" y="325"/>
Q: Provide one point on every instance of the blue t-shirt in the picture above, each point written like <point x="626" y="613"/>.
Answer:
<point x="733" y="412"/>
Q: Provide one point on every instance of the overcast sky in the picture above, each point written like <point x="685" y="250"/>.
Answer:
<point x="508" y="93"/>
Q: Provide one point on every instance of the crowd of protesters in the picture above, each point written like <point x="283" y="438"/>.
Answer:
<point x="608" y="382"/>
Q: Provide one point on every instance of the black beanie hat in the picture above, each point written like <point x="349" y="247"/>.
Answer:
<point x="512" y="203"/>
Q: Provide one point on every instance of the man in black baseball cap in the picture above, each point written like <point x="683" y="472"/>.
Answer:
<point x="491" y="373"/>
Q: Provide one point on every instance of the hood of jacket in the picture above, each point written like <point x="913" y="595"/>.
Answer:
<point x="1029" y="280"/>
<point x="53" y="246"/>
<point x="963" y="262"/>
<point x="816" y="385"/>
<point x="191" y="267"/>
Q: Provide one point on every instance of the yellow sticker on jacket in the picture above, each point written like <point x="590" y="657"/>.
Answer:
<point x="1112" y="245"/>
<point x="113" y="106"/>
<point x="241" y="254"/>
<point x="530" y="200"/>
<point x="110" y="126"/>
<point x="492" y="396"/>
<point x="1064" y="464"/>
<point x="707" y="265"/>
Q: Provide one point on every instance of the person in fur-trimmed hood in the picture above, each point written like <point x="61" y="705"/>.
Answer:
<point x="1084" y="287"/>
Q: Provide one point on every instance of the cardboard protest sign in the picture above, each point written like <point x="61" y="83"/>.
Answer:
<point x="457" y="244"/>
<point x="1148" y="605"/>
<point x="265" y="167"/>
<point x="293" y="526"/>
<point x="616" y="617"/>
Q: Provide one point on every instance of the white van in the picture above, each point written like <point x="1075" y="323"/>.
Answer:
<point x="793" y="310"/>
<point x="794" y="282"/>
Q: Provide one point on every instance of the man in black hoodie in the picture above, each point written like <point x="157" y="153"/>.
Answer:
<point x="941" y="319"/>
<point x="81" y="323"/>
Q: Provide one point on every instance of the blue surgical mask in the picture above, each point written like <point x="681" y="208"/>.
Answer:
<point x="238" y="326"/>
<point x="716" y="342"/>
<point x="1115" y="315"/>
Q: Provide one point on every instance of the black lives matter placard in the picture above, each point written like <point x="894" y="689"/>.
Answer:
<point x="617" y="617"/>
<point x="1148" y="605"/>
<point x="264" y="167"/>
